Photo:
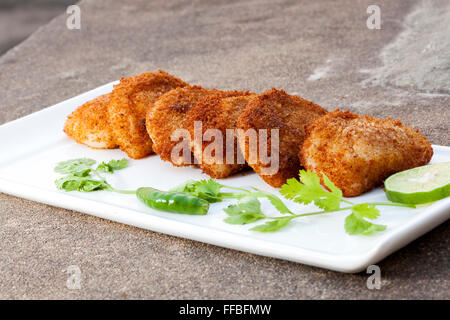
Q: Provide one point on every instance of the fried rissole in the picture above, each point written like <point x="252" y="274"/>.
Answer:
<point x="130" y="101"/>
<point x="358" y="152"/>
<point x="219" y="111"/>
<point x="275" y="109"/>
<point x="167" y="117"/>
<point x="88" y="124"/>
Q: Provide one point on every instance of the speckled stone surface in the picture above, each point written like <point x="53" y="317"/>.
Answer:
<point x="321" y="50"/>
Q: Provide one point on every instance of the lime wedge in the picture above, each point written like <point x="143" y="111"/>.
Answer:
<point x="419" y="185"/>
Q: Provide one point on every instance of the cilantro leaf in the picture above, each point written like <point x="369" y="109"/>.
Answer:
<point x="356" y="224"/>
<point x="74" y="166"/>
<point x="247" y="210"/>
<point x="104" y="167"/>
<point x="186" y="187"/>
<point x="68" y="183"/>
<point x="272" y="226"/>
<point x="113" y="165"/>
<point x="275" y="201"/>
<point x="208" y="190"/>
<point x="290" y="189"/>
<point x="119" y="164"/>
<point x="89" y="185"/>
<point x="84" y="173"/>
<point x="366" y="210"/>
<point x="82" y="184"/>
<point x="333" y="199"/>
<point x="310" y="190"/>
<point x="241" y="219"/>
<point x="79" y="175"/>
<point x="249" y="204"/>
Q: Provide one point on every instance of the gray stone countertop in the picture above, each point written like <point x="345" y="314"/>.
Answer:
<point x="322" y="50"/>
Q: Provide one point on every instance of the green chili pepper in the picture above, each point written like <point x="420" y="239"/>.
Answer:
<point x="172" y="201"/>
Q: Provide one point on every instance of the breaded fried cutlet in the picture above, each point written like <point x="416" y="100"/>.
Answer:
<point x="358" y="152"/>
<point x="88" y="124"/>
<point x="130" y="101"/>
<point x="167" y="117"/>
<point x="275" y="109"/>
<point x="220" y="112"/>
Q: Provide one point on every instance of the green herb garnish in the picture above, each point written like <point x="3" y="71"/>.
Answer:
<point x="112" y="165"/>
<point x="74" y="166"/>
<point x="194" y="197"/>
<point x="310" y="190"/>
<point x="81" y="176"/>
<point x="356" y="224"/>
<point x="306" y="190"/>
<point x="247" y="210"/>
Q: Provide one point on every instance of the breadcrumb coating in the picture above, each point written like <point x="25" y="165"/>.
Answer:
<point x="221" y="112"/>
<point x="130" y="101"/>
<point x="169" y="114"/>
<point x="357" y="153"/>
<point x="88" y="124"/>
<point x="275" y="109"/>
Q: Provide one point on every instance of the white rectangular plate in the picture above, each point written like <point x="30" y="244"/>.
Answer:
<point x="32" y="146"/>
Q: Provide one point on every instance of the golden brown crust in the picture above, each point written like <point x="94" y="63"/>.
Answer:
<point x="358" y="152"/>
<point x="169" y="114"/>
<point x="218" y="111"/>
<point x="130" y="101"/>
<point x="88" y="124"/>
<point x="275" y="109"/>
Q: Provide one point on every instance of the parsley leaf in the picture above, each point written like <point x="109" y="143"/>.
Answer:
<point x="113" y="165"/>
<point x="356" y="224"/>
<point x="75" y="166"/>
<point x="272" y="226"/>
<point x="247" y="210"/>
<point x="310" y="190"/>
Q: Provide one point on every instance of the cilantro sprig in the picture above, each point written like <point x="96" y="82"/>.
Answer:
<point x="78" y="167"/>
<point x="111" y="166"/>
<point x="355" y="223"/>
<point x="247" y="210"/>
<point x="82" y="175"/>
<point x="211" y="191"/>
<point x="306" y="190"/>
<point x="309" y="189"/>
